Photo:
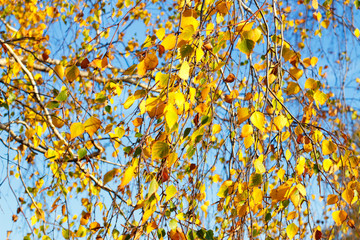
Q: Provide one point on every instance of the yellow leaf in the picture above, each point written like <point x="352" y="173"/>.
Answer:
<point x="300" y="167"/>
<point x="292" y="88"/>
<point x="280" y="122"/>
<point x="243" y="114"/>
<point x="169" y="42"/>
<point x="357" y="33"/>
<point x="76" y="129"/>
<point x="141" y="68"/>
<point x="315" y="4"/>
<point x="189" y="21"/>
<point x="160" y="33"/>
<point x="325" y="23"/>
<point x="291" y="230"/>
<point x="258" y="119"/>
<point x="281" y="174"/>
<point x="301" y="189"/>
<point x="177" y="234"/>
<point x="248" y="141"/>
<point x="171" y="115"/>
<point x="94" y="227"/>
<point x="159" y="150"/>
<point x="170" y="192"/>
<point x="59" y="69"/>
<point x="339" y="217"/>
<point x="150" y="61"/>
<point x="216" y="129"/>
<point x="257" y="195"/>
<point x="244" y="26"/>
<point x="311" y="84"/>
<point x="149" y="212"/>
<point x="151" y="226"/>
<point x="129" y="101"/>
<point x="328" y="147"/>
<point x="320" y="97"/>
<point x="296" y="73"/>
<point x="258" y="164"/>
<point x="171" y="159"/>
<point x="332" y="199"/>
<point x="81" y="232"/>
<point x="291" y="216"/>
<point x="288" y="154"/>
<point x="247" y="130"/>
<point x="92" y="125"/>
<point x="313" y="61"/>
<point x="348" y="196"/>
<point x="184" y="71"/>
<point x="72" y="73"/>
<point x="327" y="164"/>
<point x="253" y="34"/>
<point x="187" y="33"/>
<point x="128" y="176"/>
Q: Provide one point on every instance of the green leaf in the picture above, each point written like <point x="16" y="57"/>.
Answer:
<point x="246" y="46"/>
<point x="81" y="153"/>
<point x="160" y="150"/>
<point x="53" y="104"/>
<point x="186" y="51"/>
<point x="65" y="233"/>
<point x="357" y="4"/>
<point x="173" y="224"/>
<point x="62" y="96"/>
<point x="110" y="175"/>
<point x="153" y="187"/>
<point x="255" y="179"/>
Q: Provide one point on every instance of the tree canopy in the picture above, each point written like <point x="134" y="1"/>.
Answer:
<point x="186" y="119"/>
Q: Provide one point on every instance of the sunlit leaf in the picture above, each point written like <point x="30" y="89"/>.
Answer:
<point x="76" y="129"/>
<point x="328" y="147"/>
<point x="348" y="195"/>
<point x="291" y="230"/>
<point x="184" y="71"/>
<point x="128" y="176"/>
<point x="169" y="42"/>
<point x="92" y="125"/>
<point x="160" y="150"/>
<point x="246" y="130"/>
<point x="258" y="119"/>
<point x="170" y="192"/>
<point x="171" y="115"/>
<point x="339" y="217"/>
<point x="59" y="69"/>
<point x="151" y="60"/>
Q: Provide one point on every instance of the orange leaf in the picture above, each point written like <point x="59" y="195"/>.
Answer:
<point x="151" y="60"/>
<point x="339" y="217"/>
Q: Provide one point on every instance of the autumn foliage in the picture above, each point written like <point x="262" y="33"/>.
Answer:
<point x="188" y="119"/>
